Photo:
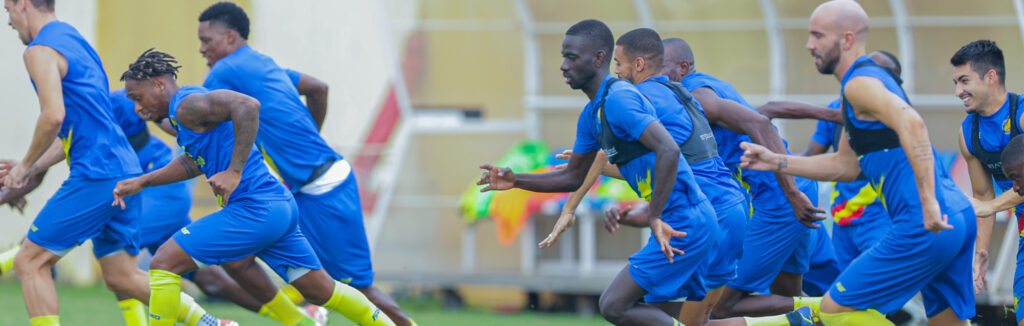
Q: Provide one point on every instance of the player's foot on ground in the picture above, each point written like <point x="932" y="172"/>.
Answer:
<point x="801" y="317"/>
<point x="227" y="322"/>
<point x="316" y="313"/>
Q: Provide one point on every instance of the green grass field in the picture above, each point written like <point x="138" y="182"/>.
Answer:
<point x="96" y="306"/>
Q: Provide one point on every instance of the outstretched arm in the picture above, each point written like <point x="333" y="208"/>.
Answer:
<point x="181" y="169"/>
<point x="840" y="166"/>
<point x="315" y="92"/>
<point x="568" y="216"/>
<point x="564" y="180"/>
<point x="46" y="67"/>
<point x="203" y="112"/>
<point x="798" y="110"/>
<point x="870" y="98"/>
<point x="740" y="119"/>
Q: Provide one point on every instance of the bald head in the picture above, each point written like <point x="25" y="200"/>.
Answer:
<point x="841" y="16"/>
<point x="839" y="29"/>
<point x="678" y="60"/>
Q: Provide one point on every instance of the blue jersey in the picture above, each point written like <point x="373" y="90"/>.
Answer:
<point x="994" y="135"/>
<point x="629" y="114"/>
<point x="294" y="76"/>
<point x="711" y="175"/>
<point x="889" y="171"/>
<point x="212" y="150"/>
<point x="763" y="186"/>
<point x="288" y="137"/>
<point x="95" y="147"/>
<point x="853" y="202"/>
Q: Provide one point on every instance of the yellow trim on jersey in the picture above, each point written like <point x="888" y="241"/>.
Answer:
<point x="866" y="196"/>
<point x="643" y="186"/>
<point x="66" y="143"/>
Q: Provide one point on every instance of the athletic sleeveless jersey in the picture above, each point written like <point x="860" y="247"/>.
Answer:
<point x="993" y="133"/>
<point x="294" y="76"/>
<point x="288" y="137"/>
<point x="853" y="202"/>
<point x="711" y="174"/>
<point x="95" y="146"/>
<point x="889" y="170"/>
<point x="211" y="151"/>
<point x="763" y="185"/>
<point x="628" y="115"/>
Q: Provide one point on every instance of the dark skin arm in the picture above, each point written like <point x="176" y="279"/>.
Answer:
<point x="797" y="110"/>
<point x="315" y="92"/>
<point x="813" y="148"/>
<point x="738" y="118"/>
<point x="181" y="169"/>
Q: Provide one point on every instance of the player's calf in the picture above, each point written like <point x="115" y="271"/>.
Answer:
<point x="387" y="304"/>
<point x="318" y="288"/>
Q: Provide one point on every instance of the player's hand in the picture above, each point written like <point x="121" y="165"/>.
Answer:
<point x="757" y="157"/>
<point x="6" y="166"/>
<point x="980" y="271"/>
<point x="564" y="155"/>
<point x="981" y="208"/>
<point x="664" y="233"/>
<point x="16" y="176"/>
<point x="565" y="221"/>
<point x="496" y="178"/>
<point x="613" y="216"/>
<point x="126" y="188"/>
<point x="804" y="209"/>
<point x="224" y="183"/>
<point x="934" y="220"/>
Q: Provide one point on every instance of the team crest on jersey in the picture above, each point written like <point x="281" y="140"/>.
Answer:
<point x="1006" y="126"/>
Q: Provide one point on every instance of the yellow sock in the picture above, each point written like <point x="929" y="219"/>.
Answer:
<point x="813" y="302"/>
<point x="45" y="321"/>
<point x="859" y="317"/>
<point x="293" y="294"/>
<point x="134" y="312"/>
<point x="164" y="297"/>
<point x="352" y="304"/>
<point x="265" y="312"/>
<point x="7" y="259"/>
<point x="779" y="320"/>
<point x="285" y="311"/>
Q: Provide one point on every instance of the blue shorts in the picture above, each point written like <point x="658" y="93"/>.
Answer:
<point x="1018" y="278"/>
<point x="910" y="259"/>
<point x="684" y="278"/>
<point x="732" y="225"/>
<point x="824" y="268"/>
<point x="164" y="212"/>
<point x="80" y="210"/>
<point x="853" y="240"/>
<point x="775" y="242"/>
<point x="246" y="227"/>
<point x="333" y="224"/>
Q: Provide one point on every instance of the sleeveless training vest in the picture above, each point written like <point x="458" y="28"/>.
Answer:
<point x="865" y="141"/>
<point x="701" y="145"/>
<point x="993" y="159"/>
<point x="618" y="150"/>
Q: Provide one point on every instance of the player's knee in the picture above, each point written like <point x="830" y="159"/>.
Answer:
<point x="211" y="285"/>
<point x="117" y="282"/>
<point x="611" y="310"/>
<point x="25" y="263"/>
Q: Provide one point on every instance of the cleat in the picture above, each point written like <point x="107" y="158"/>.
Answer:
<point x="801" y="317"/>
<point x="227" y="322"/>
<point x="317" y="313"/>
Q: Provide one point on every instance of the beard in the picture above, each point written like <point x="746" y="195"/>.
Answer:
<point x="829" y="60"/>
<point x="579" y="81"/>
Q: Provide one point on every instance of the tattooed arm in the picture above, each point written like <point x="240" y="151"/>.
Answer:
<point x="203" y="112"/>
<point x="182" y="168"/>
<point x="872" y="100"/>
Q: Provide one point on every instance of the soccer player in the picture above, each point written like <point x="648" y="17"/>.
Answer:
<point x="322" y="181"/>
<point x="993" y="118"/>
<point x="621" y="122"/>
<point x="929" y="247"/>
<point x="72" y="89"/>
<point x="776" y="249"/>
<point x="217" y="129"/>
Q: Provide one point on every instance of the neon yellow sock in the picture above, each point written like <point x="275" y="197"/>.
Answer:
<point x="859" y="317"/>
<point x="7" y="259"/>
<point x="813" y="302"/>
<point x="164" y="297"/>
<point x="134" y="312"/>
<point x="265" y="312"/>
<point x="285" y="310"/>
<point x="779" y="320"/>
<point x="352" y="304"/>
<point x="45" y="321"/>
<point x="293" y="294"/>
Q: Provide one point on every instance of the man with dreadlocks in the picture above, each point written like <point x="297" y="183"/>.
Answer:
<point x="72" y="89"/>
<point x="322" y="181"/>
<point x="217" y="130"/>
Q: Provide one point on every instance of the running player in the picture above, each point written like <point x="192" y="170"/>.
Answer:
<point x="217" y="130"/>
<point x="929" y="247"/>
<point x="993" y="118"/>
<point x="322" y="181"/>
<point x="72" y="89"/>
<point x="621" y="122"/>
<point x="776" y="249"/>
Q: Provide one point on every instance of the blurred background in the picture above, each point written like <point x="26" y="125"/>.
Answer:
<point x="422" y="92"/>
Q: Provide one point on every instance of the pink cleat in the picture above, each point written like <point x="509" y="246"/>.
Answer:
<point x="317" y="313"/>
